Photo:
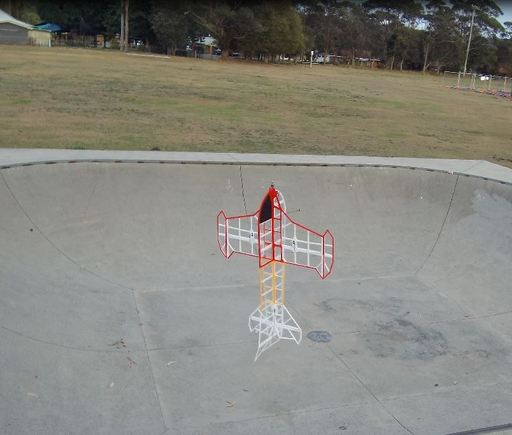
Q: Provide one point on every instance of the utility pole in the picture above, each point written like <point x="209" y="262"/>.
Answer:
<point x="469" y="40"/>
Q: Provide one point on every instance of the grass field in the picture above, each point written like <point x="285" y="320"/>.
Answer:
<point x="74" y="98"/>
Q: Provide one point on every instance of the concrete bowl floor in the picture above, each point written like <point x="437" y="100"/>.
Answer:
<point x="118" y="313"/>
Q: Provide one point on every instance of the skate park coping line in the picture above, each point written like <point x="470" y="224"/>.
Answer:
<point x="19" y="157"/>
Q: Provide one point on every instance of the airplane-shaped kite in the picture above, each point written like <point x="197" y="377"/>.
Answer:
<point x="276" y="239"/>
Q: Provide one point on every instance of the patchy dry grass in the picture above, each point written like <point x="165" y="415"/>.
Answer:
<point x="72" y="98"/>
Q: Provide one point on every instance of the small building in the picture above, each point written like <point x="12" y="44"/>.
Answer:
<point x="13" y="31"/>
<point x="207" y="43"/>
<point x="42" y="38"/>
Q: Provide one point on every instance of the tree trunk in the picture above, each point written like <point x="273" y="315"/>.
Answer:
<point x="402" y="65"/>
<point x="392" y="62"/>
<point x="121" y="36"/>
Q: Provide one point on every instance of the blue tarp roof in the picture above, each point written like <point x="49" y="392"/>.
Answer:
<point x="52" y="27"/>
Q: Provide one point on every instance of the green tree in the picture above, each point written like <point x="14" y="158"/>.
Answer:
<point x="170" y="25"/>
<point x="483" y="55"/>
<point x="407" y="46"/>
<point x="324" y="19"/>
<point x="443" y="43"/>
<point x="360" y="31"/>
<point x="227" y="23"/>
<point x="393" y="15"/>
<point x="485" y="28"/>
<point x="282" y="30"/>
<point x="504" y="56"/>
<point x="81" y="16"/>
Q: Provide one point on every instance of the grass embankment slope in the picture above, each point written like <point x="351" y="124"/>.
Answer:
<point x="74" y="98"/>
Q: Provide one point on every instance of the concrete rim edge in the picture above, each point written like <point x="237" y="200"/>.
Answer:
<point x="22" y="157"/>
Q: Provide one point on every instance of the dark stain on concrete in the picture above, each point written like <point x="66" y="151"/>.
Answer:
<point x="403" y="339"/>
<point x="320" y="336"/>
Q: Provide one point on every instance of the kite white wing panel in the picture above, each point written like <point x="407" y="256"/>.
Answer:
<point x="237" y="234"/>
<point x="307" y="248"/>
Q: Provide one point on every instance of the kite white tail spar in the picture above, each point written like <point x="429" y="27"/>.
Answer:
<point x="277" y="240"/>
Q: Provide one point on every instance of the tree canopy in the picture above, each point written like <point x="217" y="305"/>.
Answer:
<point x="401" y="34"/>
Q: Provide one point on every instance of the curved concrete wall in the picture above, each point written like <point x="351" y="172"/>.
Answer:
<point x="95" y="252"/>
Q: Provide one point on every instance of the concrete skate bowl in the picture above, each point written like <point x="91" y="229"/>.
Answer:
<point x="118" y="313"/>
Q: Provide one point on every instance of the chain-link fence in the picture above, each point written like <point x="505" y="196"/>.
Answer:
<point x="483" y="83"/>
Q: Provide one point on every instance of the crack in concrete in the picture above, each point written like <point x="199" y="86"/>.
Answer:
<point x="441" y="229"/>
